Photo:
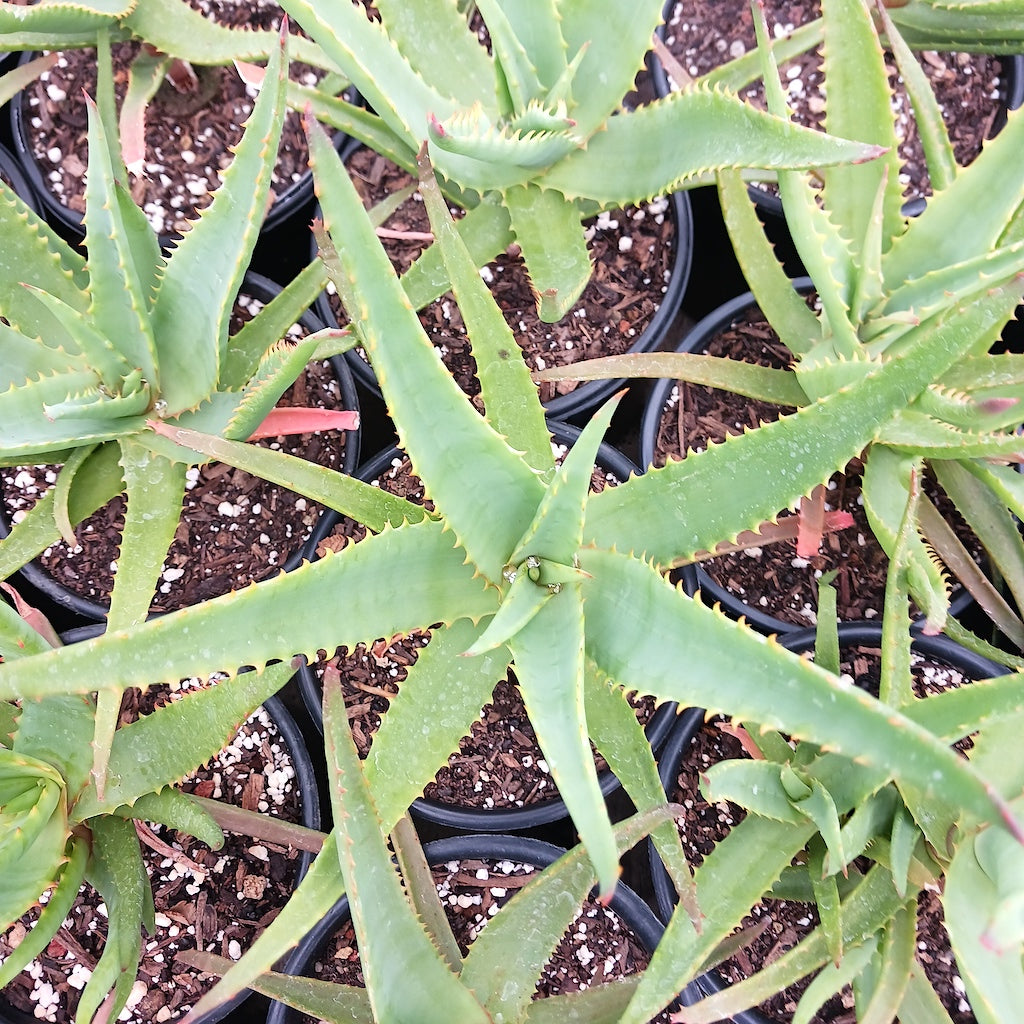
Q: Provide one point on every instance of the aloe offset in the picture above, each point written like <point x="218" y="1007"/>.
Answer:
<point x="524" y="136"/>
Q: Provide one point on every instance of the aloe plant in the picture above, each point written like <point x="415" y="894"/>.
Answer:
<point x="871" y="850"/>
<point x="885" y="281"/>
<point x="525" y="135"/>
<point x="520" y="565"/>
<point x="93" y="347"/>
<point x="942" y="25"/>
<point x="58" y="830"/>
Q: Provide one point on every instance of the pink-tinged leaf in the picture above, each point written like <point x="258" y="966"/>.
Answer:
<point x="251" y="74"/>
<point x="33" y="616"/>
<point x="811" y="523"/>
<point x="772" y="533"/>
<point x="304" y="421"/>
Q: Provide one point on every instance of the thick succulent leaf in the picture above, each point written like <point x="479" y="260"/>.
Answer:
<point x="990" y="753"/>
<point x="424" y="400"/>
<point x="38" y="530"/>
<point x="505" y="387"/>
<point x="805" y="702"/>
<point x="190" y="315"/>
<point x="521" y="602"/>
<point x="24" y="75"/>
<point x="438" y="586"/>
<point x="994" y="976"/>
<point x="25" y="358"/>
<point x="174" y="26"/>
<point x="277" y="371"/>
<point x="859" y="106"/>
<point x="396" y="950"/>
<point x="659" y="147"/>
<point x="886" y="490"/>
<point x="991" y="27"/>
<point x="62" y="16"/>
<point x="616" y="39"/>
<point x="666" y="512"/>
<point x="432" y="35"/>
<point x="155" y="489"/>
<point x="373" y="507"/>
<point x="123" y="259"/>
<point x="762" y="383"/>
<point x="34" y="252"/>
<point x="938" y="149"/>
<point x="557" y="529"/>
<point x="251" y="343"/>
<point x="179" y="811"/>
<point x="402" y="758"/>
<point x="32" y="870"/>
<point x="162" y="747"/>
<point x="939" y="237"/>
<point x="550" y="234"/>
<point x="529" y="45"/>
<point x="367" y="56"/>
<point x="52" y="915"/>
<point x="548" y="658"/>
<point x="622" y="742"/>
<point x="791" y="318"/>
<point x="925" y="294"/>
<point x="116" y="871"/>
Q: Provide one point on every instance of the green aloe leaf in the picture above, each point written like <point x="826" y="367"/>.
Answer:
<point x="551" y="237"/>
<point x="117" y="872"/>
<point x="548" y="654"/>
<point x="179" y="811"/>
<point x="438" y="586"/>
<point x="831" y="979"/>
<point x="52" y="915"/>
<point x="890" y="969"/>
<point x="505" y="387"/>
<point x="718" y="650"/>
<point x="63" y="16"/>
<point x="396" y="949"/>
<point x="402" y="758"/>
<point x="190" y="315"/>
<point x="663" y="145"/>
<point x="423" y="399"/>
<point x="177" y="738"/>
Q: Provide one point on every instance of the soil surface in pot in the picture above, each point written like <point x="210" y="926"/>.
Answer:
<point x="703" y="34"/>
<point x="632" y="252"/>
<point x="598" y="947"/>
<point x="218" y="901"/>
<point x="500" y="764"/>
<point x="785" y="923"/>
<point x="235" y="528"/>
<point x="188" y="134"/>
<point x="773" y="579"/>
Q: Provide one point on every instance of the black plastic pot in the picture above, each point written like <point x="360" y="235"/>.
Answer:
<point x="633" y="911"/>
<point x="589" y="394"/>
<point x="696" y="340"/>
<point x="84" y="609"/>
<point x="474" y="819"/>
<point x="288" y="205"/>
<point x="305" y="781"/>
<point x="690" y="721"/>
